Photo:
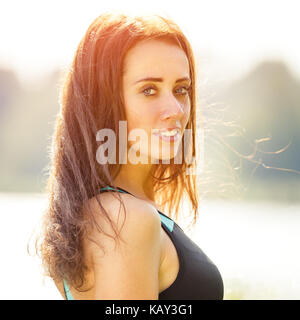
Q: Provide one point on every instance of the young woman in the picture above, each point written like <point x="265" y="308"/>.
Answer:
<point x="105" y="235"/>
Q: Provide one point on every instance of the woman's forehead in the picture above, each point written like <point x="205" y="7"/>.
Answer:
<point x="155" y="58"/>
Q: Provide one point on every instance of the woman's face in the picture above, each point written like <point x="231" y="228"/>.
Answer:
<point x="156" y="86"/>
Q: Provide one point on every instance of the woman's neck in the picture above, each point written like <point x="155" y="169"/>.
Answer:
<point x="137" y="180"/>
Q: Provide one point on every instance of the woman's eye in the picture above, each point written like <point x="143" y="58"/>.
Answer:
<point x="147" y="91"/>
<point x="150" y="91"/>
<point x="184" y="91"/>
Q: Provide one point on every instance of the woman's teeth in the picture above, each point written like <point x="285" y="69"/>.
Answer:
<point x="166" y="133"/>
<point x="169" y="133"/>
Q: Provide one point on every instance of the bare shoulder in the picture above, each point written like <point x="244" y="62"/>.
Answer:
<point x="138" y="221"/>
<point x="129" y="270"/>
<point x="136" y="214"/>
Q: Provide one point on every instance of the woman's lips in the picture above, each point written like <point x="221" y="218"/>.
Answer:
<point x="167" y="134"/>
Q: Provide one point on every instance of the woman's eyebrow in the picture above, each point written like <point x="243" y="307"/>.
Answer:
<point x="160" y="79"/>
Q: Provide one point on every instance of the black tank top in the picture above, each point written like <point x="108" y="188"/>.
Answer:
<point x="198" y="277"/>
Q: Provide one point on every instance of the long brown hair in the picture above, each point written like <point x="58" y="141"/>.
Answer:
<point x="91" y="99"/>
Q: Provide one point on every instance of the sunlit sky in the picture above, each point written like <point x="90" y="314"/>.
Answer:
<point x="231" y="36"/>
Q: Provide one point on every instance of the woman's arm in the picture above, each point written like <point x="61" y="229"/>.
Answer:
<point x="129" y="270"/>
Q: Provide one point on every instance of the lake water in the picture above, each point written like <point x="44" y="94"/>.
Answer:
<point x="254" y="245"/>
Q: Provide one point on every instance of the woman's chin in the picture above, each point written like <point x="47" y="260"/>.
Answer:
<point x="165" y="158"/>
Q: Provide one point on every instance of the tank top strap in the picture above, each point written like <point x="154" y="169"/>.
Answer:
<point x="67" y="291"/>
<point x="108" y="188"/>
<point x="169" y="223"/>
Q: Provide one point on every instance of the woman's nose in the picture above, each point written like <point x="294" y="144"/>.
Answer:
<point x="173" y="110"/>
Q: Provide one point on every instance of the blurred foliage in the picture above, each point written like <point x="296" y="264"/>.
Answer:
<point x="27" y="123"/>
<point x="252" y="147"/>
<point x="247" y="122"/>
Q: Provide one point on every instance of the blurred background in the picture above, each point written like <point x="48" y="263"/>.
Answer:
<point x="248" y="64"/>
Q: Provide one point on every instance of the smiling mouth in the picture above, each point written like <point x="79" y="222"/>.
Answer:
<point x="167" y="135"/>
<point x="166" y="132"/>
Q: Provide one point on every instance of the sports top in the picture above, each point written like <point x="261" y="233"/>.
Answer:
<point x="198" y="278"/>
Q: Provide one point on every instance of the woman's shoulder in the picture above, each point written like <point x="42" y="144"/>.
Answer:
<point x="131" y="268"/>
<point x="135" y="207"/>
<point x="139" y="219"/>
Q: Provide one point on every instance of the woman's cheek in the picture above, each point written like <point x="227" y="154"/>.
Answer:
<point x="187" y="113"/>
